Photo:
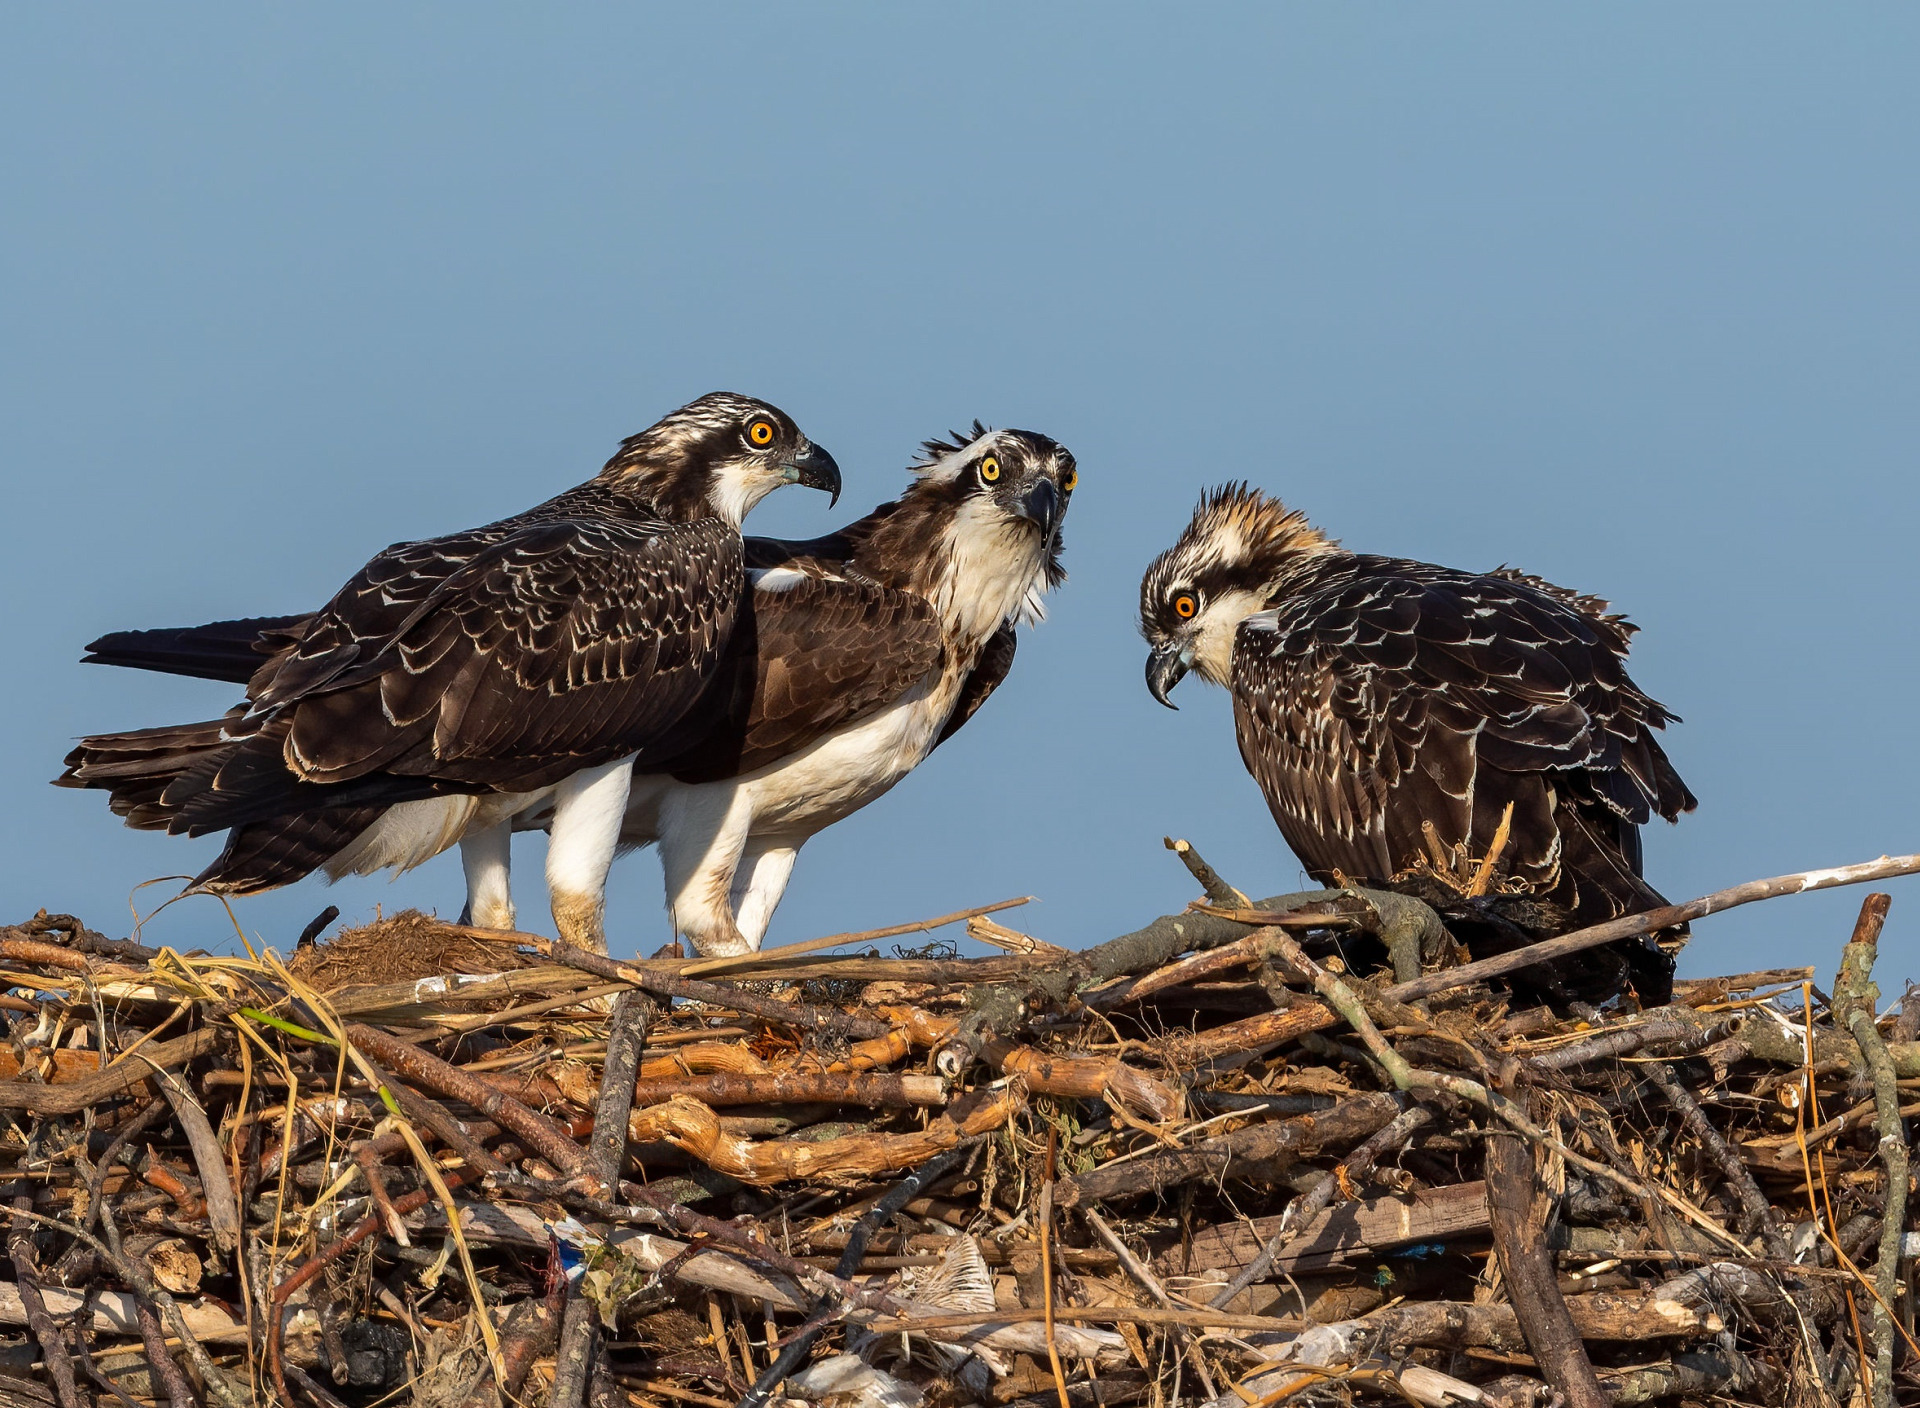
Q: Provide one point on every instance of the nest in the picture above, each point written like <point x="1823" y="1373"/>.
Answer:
<point x="1231" y="1159"/>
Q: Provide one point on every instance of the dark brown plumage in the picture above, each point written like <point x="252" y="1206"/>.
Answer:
<point x="505" y="659"/>
<point x="1372" y="695"/>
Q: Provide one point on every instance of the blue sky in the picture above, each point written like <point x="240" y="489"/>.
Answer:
<point x="1626" y="296"/>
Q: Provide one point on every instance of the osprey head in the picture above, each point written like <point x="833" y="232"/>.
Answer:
<point x="983" y="515"/>
<point x="1233" y="560"/>
<point x="718" y="457"/>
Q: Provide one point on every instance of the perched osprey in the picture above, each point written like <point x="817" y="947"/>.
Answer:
<point x="1372" y="695"/>
<point x="852" y="657"/>
<point x="520" y="664"/>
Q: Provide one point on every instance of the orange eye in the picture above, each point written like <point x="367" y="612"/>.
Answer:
<point x="1184" y="606"/>
<point x="990" y="468"/>
<point x="1073" y="478"/>
<point x="760" y="434"/>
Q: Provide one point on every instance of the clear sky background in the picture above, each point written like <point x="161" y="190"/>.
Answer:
<point x="1628" y="296"/>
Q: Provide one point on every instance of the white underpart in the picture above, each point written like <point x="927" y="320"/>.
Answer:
<point x="1211" y="635"/>
<point x="728" y="848"/>
<point x="587" y="808"/>
<point x="411" y="833"/>
<point x="776" y="579"/>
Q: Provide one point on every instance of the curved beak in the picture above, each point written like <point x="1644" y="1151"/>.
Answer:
<point x="1166" y="666"/>
<point x="1040" y="505"/>
<point x="814" y="468"/>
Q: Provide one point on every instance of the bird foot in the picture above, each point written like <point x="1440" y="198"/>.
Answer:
<point x="581" y="920"/>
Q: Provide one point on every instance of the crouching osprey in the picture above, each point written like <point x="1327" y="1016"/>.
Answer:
<point x="474" y="676"/>
<point x="1372" y="696"/>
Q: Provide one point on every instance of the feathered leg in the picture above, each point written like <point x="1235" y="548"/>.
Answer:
<point x="765" y="867"/>
<point x="487" y="858"/>
<point x="587" y="809"/>
<point x="703" y="834"/>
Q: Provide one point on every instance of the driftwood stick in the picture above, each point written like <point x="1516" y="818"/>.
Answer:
<point x="216" y="1184"/>
<point x="1856" y="999"/>
<point x="546" y="1137"/>
<point x="1759" y="1212"/>
<point x="797" y="1087"/>
<point x="1303" y="1209"/>
<point x="1263" y="1146"/>
<point x="800" y="1016"/>
<point x="1635" y="925"/>
<point x="1518" y="1204"/>
<point x="179" y="1392"/>
<point x="26" y="1275"/>
<point x="1216" y="890"/>
<point x="606" y="1152"/>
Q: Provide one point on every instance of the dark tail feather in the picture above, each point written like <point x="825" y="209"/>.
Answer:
<point x="266" y="854"/>
<point x="136" y="768"/>
<point x="221" y="650"/>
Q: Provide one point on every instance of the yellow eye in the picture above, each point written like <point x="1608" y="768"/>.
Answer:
<point x="990" y="468"/>
<point x="1073" y="478"/>
<point x="760" y="434"/>
<point x="1184" y="606"/>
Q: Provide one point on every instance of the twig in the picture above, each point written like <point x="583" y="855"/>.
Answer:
<point x="1733" y="1168"/>
<point x="216" y="1184"/>
<point x="1046" y="1264"/>
<point x="800" y="1016"/>
<point x="1634" y="925"/>
<point x="1518" y="1204"/>
<point x="606" y="1151"/>
<point x="548" y="1139"/>
<point x="905" y="1191"/>
<point x="1856" y="997"/>
<point x="1302" y="1210"/>
<point x="1483" y="877"/>
<point x="26" y="1275"/>
<point x="1151" y="1284"/>
<point x="179" y="1392"/>
<point x="1216" y="889"/>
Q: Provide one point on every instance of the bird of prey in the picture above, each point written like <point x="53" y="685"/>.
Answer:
<point x="852" y="657"/>
<point x="526" y="662"/>
<point x="1372" y="696"/>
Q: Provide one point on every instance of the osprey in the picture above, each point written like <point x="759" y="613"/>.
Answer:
<point x="1373" y="695"/>
<point x="523" y="663"/>
<point x="852" y="657"/>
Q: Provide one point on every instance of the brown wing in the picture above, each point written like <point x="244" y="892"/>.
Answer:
<point x="815" y="655"/>
<point x="1399" y="693"/>
<point x="567" y="643"/>
<point x="985" y="677"/>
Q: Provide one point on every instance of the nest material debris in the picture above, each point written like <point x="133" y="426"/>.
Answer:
<point x="1197" y="1165"/>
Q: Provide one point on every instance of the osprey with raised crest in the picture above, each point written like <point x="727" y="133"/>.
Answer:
<point x="1374" y="697"/>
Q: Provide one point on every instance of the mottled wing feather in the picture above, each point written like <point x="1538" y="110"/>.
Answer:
<point x="817" y="655"/>
<point x="1398" y="693"/>
<point x="508" y="660"/>
<point x="996" y="660"/>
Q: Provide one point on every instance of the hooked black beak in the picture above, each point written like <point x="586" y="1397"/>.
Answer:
<point x="1040" y="505"/>
<point x="1166" y="666"/>
<point x="815" y="468"/>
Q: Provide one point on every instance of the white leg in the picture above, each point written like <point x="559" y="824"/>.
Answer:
<point x="758" y="884"/>
<point x="487" y="857"/>
<point x="587" y="808"/>
<point x="703" y="830"/>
